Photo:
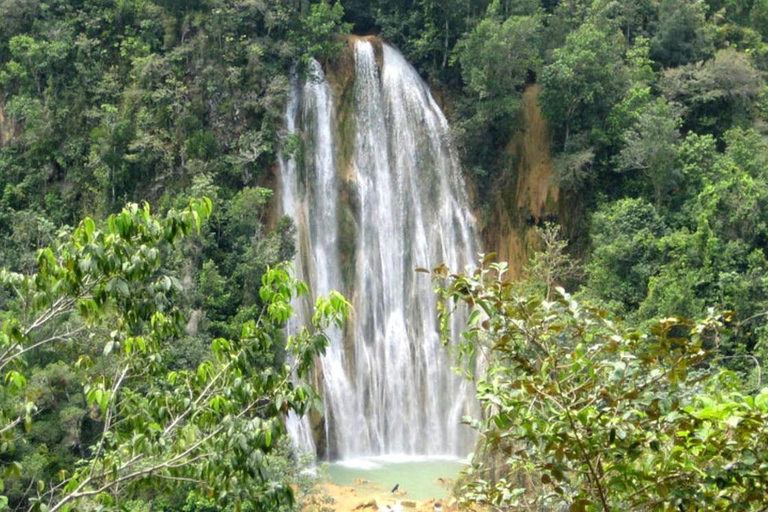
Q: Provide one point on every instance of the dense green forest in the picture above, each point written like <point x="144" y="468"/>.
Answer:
<point x="657" y="111"/>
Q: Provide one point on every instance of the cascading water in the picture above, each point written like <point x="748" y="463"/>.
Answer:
<point x="387" y="383"/>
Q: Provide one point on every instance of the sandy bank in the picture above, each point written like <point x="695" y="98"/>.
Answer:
<point x="349" y="499"/>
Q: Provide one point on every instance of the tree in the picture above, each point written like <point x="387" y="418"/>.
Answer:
<point x="758" y="17"/>
<point x="625" y="237"/>
<point x="496" y="60"/>
<point x="625" y="113"/>
<point x="18" y="15"/>
<point x="497" y="56"/>
<point x="321" y="30"/>
<point x="582" y="413"/>
<point x="566" y="16"/>
<point x="585" y="78"/>
<point x="427" y="30"/>
<point x="682" y="35"/>
<point x="715" y="94"/>
<point x="702" y="251"/>
<point x="651" y="147"/>
<point x="551" y="265"/>
<point x="103" y="292"/>
<point x="734" y="196"/>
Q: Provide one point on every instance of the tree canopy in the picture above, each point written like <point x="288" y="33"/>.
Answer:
<point x="101" y="308"/>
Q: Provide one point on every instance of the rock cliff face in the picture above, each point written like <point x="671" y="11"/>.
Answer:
<point x="527" y="194"/>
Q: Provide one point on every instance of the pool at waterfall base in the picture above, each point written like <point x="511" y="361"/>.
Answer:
<point x="418" y="478"/>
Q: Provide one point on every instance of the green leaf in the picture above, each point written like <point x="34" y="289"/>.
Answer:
<point x="90" y="227"/>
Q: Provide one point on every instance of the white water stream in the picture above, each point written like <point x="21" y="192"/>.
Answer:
<point x="386" y="382"/>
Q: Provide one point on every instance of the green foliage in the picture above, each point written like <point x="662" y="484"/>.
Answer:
<point x="625" y="253"/>
<point x="585" y="77"/>
<point x="103" y="103"/>
<point x="123" y="101"/>
<point x="683" y="35"/>
<point x="641" y="76"/>
<point x="322" y="30"/>
<point x="705" y="251"/>
<point x="651" y="147"/>
<point x="733" y="196"/>
<point x="428" y="30"/>
<point x="497" y="56"/>
<point x="103" y="291"/>
<point x="580" y="412"/>
<point x="552" y="265"/>
<point x="715" y="94"/>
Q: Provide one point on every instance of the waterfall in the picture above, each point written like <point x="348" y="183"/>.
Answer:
<point x="387" y="383"/>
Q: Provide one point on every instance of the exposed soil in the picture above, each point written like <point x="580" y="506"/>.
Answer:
<point x="534" y="184"/>
<point x="348" y="499"/>
<point x="528" y="195"/>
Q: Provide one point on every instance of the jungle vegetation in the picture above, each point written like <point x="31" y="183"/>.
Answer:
<point x="141" y="255"/>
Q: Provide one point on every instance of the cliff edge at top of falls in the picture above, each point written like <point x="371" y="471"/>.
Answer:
<point x="341" y="70"/>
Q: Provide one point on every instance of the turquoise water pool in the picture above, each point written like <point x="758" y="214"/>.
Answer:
<point x="419" y="478"/>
